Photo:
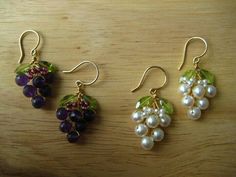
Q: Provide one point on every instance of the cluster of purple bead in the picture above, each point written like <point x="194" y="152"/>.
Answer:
<point x="74" y="118"/>
<point x="35" y="83"/>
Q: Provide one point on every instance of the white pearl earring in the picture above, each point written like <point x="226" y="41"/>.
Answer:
<point x="196" y="85"/>
<point x="152" y="113"/>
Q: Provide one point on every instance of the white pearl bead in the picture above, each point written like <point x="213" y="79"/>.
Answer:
<point x="147" y="110"/>
<point x="210" y="91"/>
<point x="156" y="111"/>
<point x="193" y="80"/>
<point x="198" y="91"/>
<point x="200" y="82"/>
<point x="161" y="111"/>
<point x="165" y="120"/>
<point x="141" y="130"/>
<point x="161" y="114"/>
<point x="152" y="121"/>
<point x="157" y="134"/>
<point x="205" y="82"/>
<point x="205" y="85"/>
<point x="147" y="143"/>
<point x="184" y="88"/>
<point x="203" y="103"/>
<point x="194" y="113"/>
<point x="188" y="101"/>
<point x="137" y="116"/>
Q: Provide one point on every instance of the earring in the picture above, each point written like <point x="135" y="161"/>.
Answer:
<point x="76" y="110"/>
<point x="35" y="77"/>
<point x="152" y="112"/>
<point x="196" y="85"/>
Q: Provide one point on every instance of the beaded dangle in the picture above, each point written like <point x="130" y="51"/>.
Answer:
<point x="196" y="85"/>
<point x="75" y="111"/>
<point x="35" y="77"/>
<point x="152" y="114"/>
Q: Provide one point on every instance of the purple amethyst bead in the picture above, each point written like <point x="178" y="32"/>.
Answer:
<point x="49" y="77"/>
<point x="65" y="126"/>
<point x="37" y="101"/>
<point x="38" y="81"/>
<point x="29" y="91"/>
<point x="73" y="136"/>
<point x="81" y="125"/>
<point x="75" y="115"/>
<point x="61" y="113"/>
<point x="21" y="79"/>
<point x="89" y="115"/>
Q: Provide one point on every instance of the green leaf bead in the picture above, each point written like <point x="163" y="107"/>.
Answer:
<point x="144" y="101"/>
<point x="190" y="74"/>
<point x="166" y="105"/>
<point x="68" y="99"/>
<point x="51" y="68"/>
<point x="93" y="104"/>
<point x="23" y="68"/>
<point x="207" y="75"/>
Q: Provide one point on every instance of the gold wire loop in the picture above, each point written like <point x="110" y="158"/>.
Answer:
<point x="196" y="59"/>
<point x="153" y="91"/>
<point x="80" y="83"/>
<point x="33" y="51"/>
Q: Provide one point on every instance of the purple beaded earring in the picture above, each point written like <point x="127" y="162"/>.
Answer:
<point x="76" y="110"/>
<point x="35" y="77"/>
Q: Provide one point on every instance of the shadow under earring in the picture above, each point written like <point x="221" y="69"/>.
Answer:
<point x="35" y="77"/>
<point x="77" y="110"/>
<point x="196" y="85"/>
<point x="152" y="114"/>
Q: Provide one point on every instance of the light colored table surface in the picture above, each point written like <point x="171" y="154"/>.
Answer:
<point x="123" y="37"/>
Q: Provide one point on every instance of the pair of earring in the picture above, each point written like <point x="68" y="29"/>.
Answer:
<point x="74" y="110"/>
<point x="153" y="112"/>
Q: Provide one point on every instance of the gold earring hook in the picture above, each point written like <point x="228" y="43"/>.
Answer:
<point x="152" y="90"/>
<point x="196" y="59"/>
<point x="79" y="82"/>
<point x="33" y="51"/>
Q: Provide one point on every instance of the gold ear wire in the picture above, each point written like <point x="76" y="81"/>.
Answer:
<point x="152" y="90"/>
<point x="196" y="59"/>
<point x="33" y="51"/>
<point x="79" y="83"/>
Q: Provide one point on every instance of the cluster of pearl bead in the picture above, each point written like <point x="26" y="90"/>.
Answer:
<point x="195" y="93"/>
<point x="149" y="122"/>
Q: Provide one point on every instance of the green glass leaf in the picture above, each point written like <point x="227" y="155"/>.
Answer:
<point x="23" y="68"/>
<point x="93" y="104"/>
<point x="166" y="105"/>
<point x="144" y="101"/>
<point x="190" y="74"/>
<point x="68" y="99"/>
<point x="207" y="75"/>
<point x="51" y="68"/>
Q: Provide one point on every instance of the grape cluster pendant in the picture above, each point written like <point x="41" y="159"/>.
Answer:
<point x="36" y="79"/>
<point x="196" y="86"/>
<point x="152" y="114"/>
<point x="75" y="111"/>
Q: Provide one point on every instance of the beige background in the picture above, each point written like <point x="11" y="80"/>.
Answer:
<point x="123" y="37"/>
